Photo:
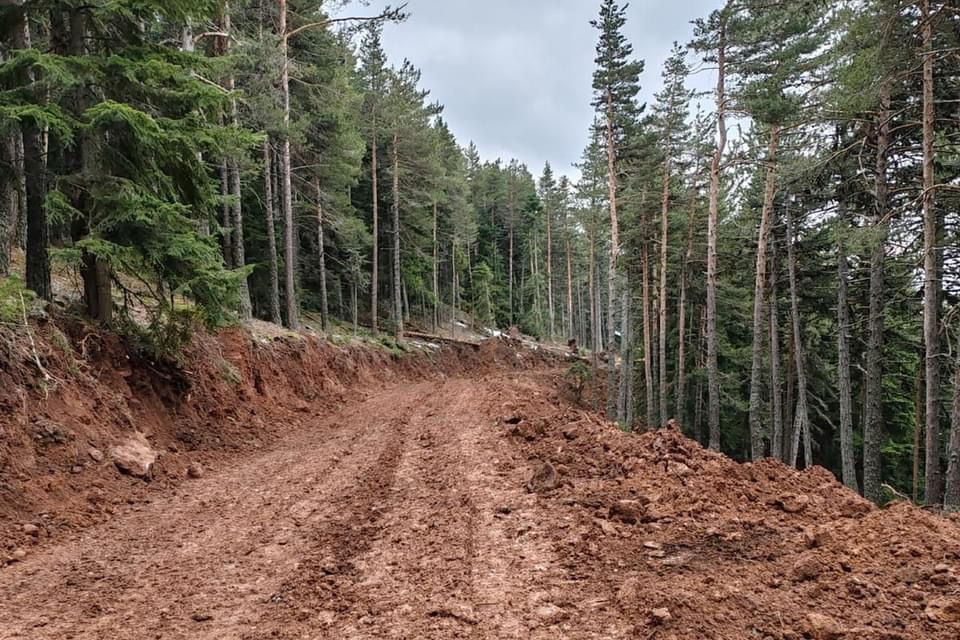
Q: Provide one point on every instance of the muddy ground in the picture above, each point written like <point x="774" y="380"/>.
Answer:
<point x="461" y="496"/>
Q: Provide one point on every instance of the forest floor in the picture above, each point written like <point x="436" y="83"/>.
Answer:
<point x="471" y="499"/>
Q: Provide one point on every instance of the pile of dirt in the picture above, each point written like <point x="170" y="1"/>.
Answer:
<point x="86" y="426"/>
<point x="686" y="543"/>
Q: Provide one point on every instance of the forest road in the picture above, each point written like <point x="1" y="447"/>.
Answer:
<point x="402" y="515"/>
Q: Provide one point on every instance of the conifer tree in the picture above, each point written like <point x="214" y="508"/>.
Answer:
<point x="616" y="83"/>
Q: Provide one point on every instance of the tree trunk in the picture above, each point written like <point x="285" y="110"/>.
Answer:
<point x="625" y="399"/>
<point x="8" y="205"/>
<point x="397" y="293"/>
<point x="226" y="237"/>
<point x="847" y="454"/>
<point x="918" y="423"/>
<point x="436" y="269"/>
<point x="713" y="374"/>
<point x="375" y="259"/>
<point x="321" y="258"/>
<point x="681" y="407"/>
<point x="931" y="278"/>
<point x="776" y="378"/>
<point x="651" y="407"/>
<point x="614" y="255"/>
<point x="801" y="416"/>
<point x="551" y="312"/>
<point x="271" y="234"/>
<point x="289" y="230"/>
<point x="662" y="296"/>
<point x="37" y="231"/>
<point x="951" y="500"/>
<point x="757" y="445"/>
<point x="570" y="329"/>
<point x="245" y="309"/>
<point x="873" y="377"/>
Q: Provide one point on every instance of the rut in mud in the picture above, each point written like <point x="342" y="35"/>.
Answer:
<point x="486" y="506"/>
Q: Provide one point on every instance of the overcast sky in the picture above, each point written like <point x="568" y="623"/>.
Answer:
<point x="515" y="75"/>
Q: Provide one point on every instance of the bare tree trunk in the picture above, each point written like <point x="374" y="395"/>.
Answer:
<point x="397" y="293"/>
<point x="757" y="446"/>
<point x="625" y="399"/>
<point x="873" y="378"/>
<point x="8" y="206"/>
<point x="614" y="257"/>
<point x="681" y="400"/>
<point x="510" y="267"/>
<point x="847" y="455"/>
<point x="245" y="309"/>
<point x="290" y="229"/>
<point x="37" y="232"/>
<point x="713" y="374"/>
<point x="931" y="278"/>
<point x="651" y="407"/>
<point x="375" y="259"/>
<point x="570" y="330"/>
<point x="453" y="288"/>
<point x="917" y="432"/>
<point x="271" y="234"/>
<point x="662" y="301"/>
<point x="226" y="237"/>
<point x="436" y="269"/>
<point x="776" y="377"/>
<point x="321" y="257"/>
<point x="801" y="416"/>
<point x="551" y="312"/>
<point x="20" y="229"/>
<point x="952" y="496"/>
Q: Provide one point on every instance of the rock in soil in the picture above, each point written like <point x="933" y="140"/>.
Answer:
<point x="135" y="457"/>
<point x="821" y="627"/>
<point x="195" y="471"/>
<point x="545" y="479"/>
<point x="943" y="610"/>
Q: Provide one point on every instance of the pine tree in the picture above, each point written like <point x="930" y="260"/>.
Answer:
<point x="616" y="83"/>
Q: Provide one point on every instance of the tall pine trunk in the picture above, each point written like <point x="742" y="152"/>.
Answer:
<point x="321" y="257"/>
<point x="625" y="399"/>
<point x="931" y="271"/>
<point x="662" y="302"/>
<point x="375" y="258"/>
<point x="713" y="374"/>
<point x="801" y="427"/>
<point x="613" y="259"/>
<point x="873" y="377"/>
<point x="681" y="401"/>
<point x="951" y="500"/>
<point x="289" y="229"/>
<point x="847" y="454"/>
<point x="397" y="293"/>
<point x="37" y="231"/>
<point x="570" y="330"/>
<point x="646" y="310"/>
<point x="271" y="234"/>
<point x="436" y="269"/>
<point x="551" y="312"/>
<point x="757" y="448"/>
<point x="776" y="377"/>
<point x="245" y="309"/>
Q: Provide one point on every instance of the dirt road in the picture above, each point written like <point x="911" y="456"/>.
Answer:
<point x="396" y="517"/>
<point x="406" y="515"/>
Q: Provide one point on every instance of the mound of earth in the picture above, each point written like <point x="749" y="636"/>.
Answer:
<point x="687" y="543"/>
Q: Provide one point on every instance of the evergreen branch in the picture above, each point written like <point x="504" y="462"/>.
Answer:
<point x="388" y="14"/>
